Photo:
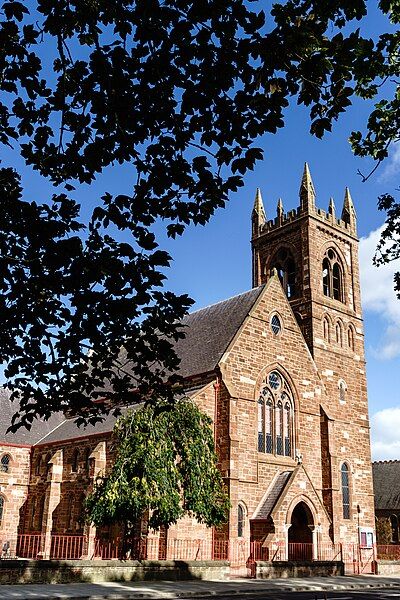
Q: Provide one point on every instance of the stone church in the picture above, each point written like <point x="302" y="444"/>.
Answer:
<point x="281" y="371"/>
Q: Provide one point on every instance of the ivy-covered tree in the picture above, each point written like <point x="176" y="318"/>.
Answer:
<point x="181" y="90"/>
<point x="165" y="467"/>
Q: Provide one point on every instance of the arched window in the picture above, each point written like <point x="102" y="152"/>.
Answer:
<point x="339" y="333"/>
<point x="279" y="427"/>
<point x="326" y="277"/>
<point x="327" y="329"/>
<point x="48" y="463"/>
<point x="345" y="491"/>
<point x="88" y="452"/>
<point x="241" y="521"/>
<point x="350" y="338"/>
<point x="75" y="461"/>
<point x="275" y="416"/>
<point x="332" y="276"/>
<point x="394" y="524"/>
<point x="38" y="465"/>
<point x="1" y="509"/>
<point x="287" y="427"/>
<point x="286" y="267"/>
<point x="5" y="463"/>
<point x="342" y="392"/>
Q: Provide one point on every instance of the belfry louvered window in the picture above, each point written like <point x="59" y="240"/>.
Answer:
<point x="275" y="416"/>
<point x="286" y="268"/>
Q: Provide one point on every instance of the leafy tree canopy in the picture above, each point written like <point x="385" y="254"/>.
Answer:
<point x="165" y="467"/>
<point x="180" y="90"/>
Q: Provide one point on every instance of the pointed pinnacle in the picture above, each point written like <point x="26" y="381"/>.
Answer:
<point x="348" y="212"/>
<point x="307" y="191"/>
<point x="258" y="207"/>
<point x="348" y="202"/>
<point x="332" y="207"/>
<point x="279" y="208"/>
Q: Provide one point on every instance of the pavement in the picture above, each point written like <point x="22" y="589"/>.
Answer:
<point x="195" y="589"/>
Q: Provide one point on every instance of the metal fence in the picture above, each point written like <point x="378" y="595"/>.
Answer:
<point x="239" y="552"/>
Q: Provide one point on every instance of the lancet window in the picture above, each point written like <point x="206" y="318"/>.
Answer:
<point x="345" y="491"/>
<point x="332" y="275"/>
<point x="275" y="416"/>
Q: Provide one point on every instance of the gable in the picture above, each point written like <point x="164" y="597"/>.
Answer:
<point x="210" y="330"/>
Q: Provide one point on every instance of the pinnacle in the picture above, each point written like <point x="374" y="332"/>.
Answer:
<point x="279" y="208"/>
<point x="332" y="207"/>
<point x="348" y="212"/>
<point x="258" y="207"/>
<point x="307" y="191"/>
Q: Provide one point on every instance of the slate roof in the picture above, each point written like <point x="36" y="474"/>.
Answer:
<point x="209" y="332"/>
<point x="22" y="436"/>
<point x="386" y="477"/>
<point x="273" y="495"/>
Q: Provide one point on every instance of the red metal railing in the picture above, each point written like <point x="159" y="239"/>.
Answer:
<point x="388" y="552"/>
<point x="68" y="547"/>
<point x="239" y="552"/>
<point x="29" y="545"/>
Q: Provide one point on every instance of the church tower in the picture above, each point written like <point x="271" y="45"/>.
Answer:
<point x="315" y="254"/>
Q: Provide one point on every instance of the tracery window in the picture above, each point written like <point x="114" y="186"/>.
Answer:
<point x="345" y="491"/>
<point x="1" y="509"/>
<point x="275" y="416"/>
<point x="332" y="275"/>
<point x="284" y="264"/>
<point x="5" y="463"/>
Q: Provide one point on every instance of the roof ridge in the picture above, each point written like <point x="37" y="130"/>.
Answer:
<point x="49" y="432"/>
<point x="388" y="461"/>
<point x="226" y="299"/>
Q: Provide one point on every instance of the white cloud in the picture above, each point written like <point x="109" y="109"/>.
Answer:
<point x="378" y="295"/>
<point x="385" y="434"/>
<point x="392" y="165"/>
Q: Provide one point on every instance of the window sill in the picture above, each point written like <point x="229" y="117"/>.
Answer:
<point x="276" y="459"/>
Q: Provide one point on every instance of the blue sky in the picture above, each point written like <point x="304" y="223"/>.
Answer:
<point x="214" y="262"/>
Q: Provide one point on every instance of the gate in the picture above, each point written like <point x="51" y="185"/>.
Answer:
<point x="358" y="560"/>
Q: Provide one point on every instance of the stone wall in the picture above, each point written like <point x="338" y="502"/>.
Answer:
<point x="273" y="570"/>
<point x="44" y="571"/>
<point x="13" y="489"/>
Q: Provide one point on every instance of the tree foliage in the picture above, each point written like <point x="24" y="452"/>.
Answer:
<point x="165" y="467"/>
<point x="180" y="90"/>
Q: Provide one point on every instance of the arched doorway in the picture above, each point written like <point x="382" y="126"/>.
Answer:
<point x="300" y="537"/>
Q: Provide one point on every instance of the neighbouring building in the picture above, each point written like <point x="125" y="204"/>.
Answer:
<point x="386" y="477"/>
<point x="280" y="369"/>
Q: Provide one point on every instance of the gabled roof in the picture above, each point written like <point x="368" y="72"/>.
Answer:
<point x="23" y="436"/>
<point x="386" y="477"/>
<point x="272" y="496"/>
<point x="210" y="330"/>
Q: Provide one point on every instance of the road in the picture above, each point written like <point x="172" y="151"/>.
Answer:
<point x="374" y="594"/>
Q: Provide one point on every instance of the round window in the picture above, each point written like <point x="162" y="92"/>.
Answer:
<point x="275" y="325"/>
<point x="274" y="380"/>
